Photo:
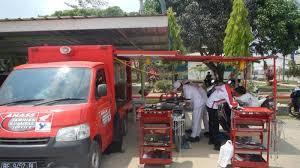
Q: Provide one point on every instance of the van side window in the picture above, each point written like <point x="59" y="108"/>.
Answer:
<point x="100" y="79"/>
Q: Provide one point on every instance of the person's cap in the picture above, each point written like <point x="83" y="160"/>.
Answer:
<point x="176" y="85"/>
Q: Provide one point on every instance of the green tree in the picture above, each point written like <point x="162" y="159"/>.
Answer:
<point x="294" y="69"/>
<point x="203" y="25"/>
<point x="238" y="31"/>
<point x="133" y="14"/>
<point x="87" y="4"/>
<point x="155" y="7"/>
<point x="113" y="11"/>
<point x="110" y="11"/>
<point x="278" y="26"/>
<point x="176" y="43"/>
<point x="152" y="7"/>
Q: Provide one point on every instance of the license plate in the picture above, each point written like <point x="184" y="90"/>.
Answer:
<point x="18" y="164"/>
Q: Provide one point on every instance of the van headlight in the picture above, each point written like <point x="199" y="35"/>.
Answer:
<point x="73" y="133"/>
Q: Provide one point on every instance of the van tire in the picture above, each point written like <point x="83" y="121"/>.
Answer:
<point x="95" y="155"/>
<point x="117" y="144"/>
<point x="125" y="125"/>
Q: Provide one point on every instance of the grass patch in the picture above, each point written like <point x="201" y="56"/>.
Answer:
<point x="285" y="117"/>
<point x="279" y="89"/>
<point x="151" y="101"/>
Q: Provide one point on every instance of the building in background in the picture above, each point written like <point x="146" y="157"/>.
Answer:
<point x="197" y="70"/>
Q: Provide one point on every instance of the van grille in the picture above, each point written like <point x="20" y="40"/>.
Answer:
<point x="24" y="141"/>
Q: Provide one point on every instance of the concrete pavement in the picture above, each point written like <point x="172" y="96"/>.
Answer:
<point x="202" y="155"/>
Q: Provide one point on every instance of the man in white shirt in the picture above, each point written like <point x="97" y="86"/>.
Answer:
<point x="222" y="94"/>
<point x="197" y="102"/>
<point x="204" y="116"/>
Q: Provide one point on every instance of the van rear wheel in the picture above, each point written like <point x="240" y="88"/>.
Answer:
<point x="117" y="144"/>
<point x="125" y="125"/>
<point x="95" y="155"/>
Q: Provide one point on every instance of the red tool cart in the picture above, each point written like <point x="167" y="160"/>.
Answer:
<point x="250" y="135"/>
<point x="155" y="139"/>
<point x="245" y="123"/>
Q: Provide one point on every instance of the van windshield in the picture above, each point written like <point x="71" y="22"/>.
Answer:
<point x="35" y="85"/>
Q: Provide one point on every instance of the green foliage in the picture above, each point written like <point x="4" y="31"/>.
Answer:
<point x="163" y="85"/>
<point x="203" y="23"/>
<point x="133" y="14"/>
<point x="294" y="69"/>
<point x="152" y="7"/>
<point x="110" y="11"/>
<point x="113" y="11"/>
<point x="238" y="31"/>
<point x="278" y="26"/>
<point x="87" y="4"/>
<point x="251" y="86"/>
<point x="176" y="43"/>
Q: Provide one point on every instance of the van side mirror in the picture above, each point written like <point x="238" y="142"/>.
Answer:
<point x="101" y="90"/>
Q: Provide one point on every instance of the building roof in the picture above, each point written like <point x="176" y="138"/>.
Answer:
<point x="128" y="32"/>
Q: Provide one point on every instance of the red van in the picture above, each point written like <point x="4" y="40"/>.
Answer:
<point x="64" y="108"/>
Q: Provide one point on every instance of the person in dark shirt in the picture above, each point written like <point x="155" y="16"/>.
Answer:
<point x="208" y="79"/>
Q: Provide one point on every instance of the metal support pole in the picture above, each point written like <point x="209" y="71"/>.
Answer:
<point x="142" y="67"/>
<point x="274" y="85"/>
<point x="283" y="68"/>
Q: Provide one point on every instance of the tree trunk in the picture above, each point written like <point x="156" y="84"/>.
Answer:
<point x="138" y="74"/>
<point x="220" y="73"/>
<point x="218" y="70"/>
<point x="283" y="67"/>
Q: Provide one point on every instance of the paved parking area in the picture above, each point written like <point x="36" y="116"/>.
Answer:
<point x="202" y="155"/>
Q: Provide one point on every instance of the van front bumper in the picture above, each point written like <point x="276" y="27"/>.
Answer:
<point x="52" y="154"/>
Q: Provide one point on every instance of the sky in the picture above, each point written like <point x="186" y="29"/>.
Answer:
<point x="33" y="8"/>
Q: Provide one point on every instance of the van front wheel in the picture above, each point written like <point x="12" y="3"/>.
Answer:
<point x="95" y="155"/>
